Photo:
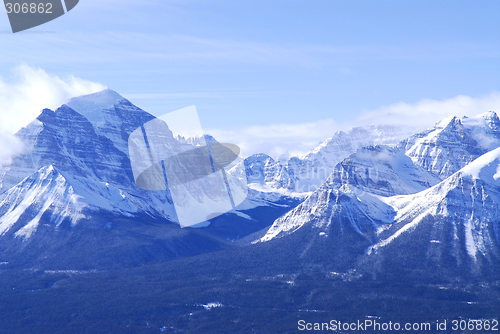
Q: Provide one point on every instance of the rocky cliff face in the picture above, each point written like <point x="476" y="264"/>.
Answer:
<point x="92" y="157"/>
<point x="452" y="228"/>
<point x="72" y="192"/>
<point x="453" y="143"/>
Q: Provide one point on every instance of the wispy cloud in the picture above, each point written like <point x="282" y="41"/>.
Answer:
<point x="125" y="46"/>
<point x="427" y="112"/>
<point x="278" y="139"/>
<point x="31" y="90"/>
<point x="10" y="146"/>
<point x="23" y="97"/>
<point x="298" y="139"/>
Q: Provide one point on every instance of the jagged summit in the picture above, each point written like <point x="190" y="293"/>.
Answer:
<point x="202" y="139"/>
<point x="453" y="225"/>
<point x="394" y="200"/>
<point x="303" y="175"/>
<point x="113" y="116"/>
<point x="92" y="155"/>
<point x="376" y="190"/>
<point x="73" y="192"/>
<point x="453" y="143"/>
<point x="46" y="191"/>
<point x="92" y="105"/>
<point x="414" y="165"/>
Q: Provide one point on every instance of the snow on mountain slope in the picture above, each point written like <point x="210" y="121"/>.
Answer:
<point x="113" y="116"/>
<point x="67" y="140"/>
<point x="342" y="144"/>
<point x="67" y="197"/>
<point x="453" y="226"/>
<point x="453" y="143"/>
<point x="337" y="209"/>
<point x="364" y="177"/>
<point x="32" y="198"/>
<point x="381" y="170"/>
<point x="412" y="166"/>
<point x="469" y="201"/>
<point x="307" y="173"/>
<point x="71" y="199"/>
<point x="92" y="162"/>
<point x="56" y="220"/>
<point x="265" y="174"/>
<point x="93" y="156"/>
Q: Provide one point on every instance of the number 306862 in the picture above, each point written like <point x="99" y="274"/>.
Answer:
<point x="29" y="8"/>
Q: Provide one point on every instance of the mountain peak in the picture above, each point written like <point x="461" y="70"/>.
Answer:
<point x="448" y="123"/>
<point x="105" y="96"/>
<point x="197" y="140"/>
<point x="489" y="115"/>
<point x="91" y="105"/>
<point x="486" y="120"/>
<point x="112" y="116"/>
<point x="486" y="167"/>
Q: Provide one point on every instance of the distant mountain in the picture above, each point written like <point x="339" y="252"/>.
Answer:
<point x="399" y="231"/>
<point x="74" y="187"/>
<point x="453" y="227"/>
<point x="382" y="170"/>
<point x="453" y="143"/>
<point x="394" y="200"/>
<point x="442" y="150"/>
<point x="307" y="173"/>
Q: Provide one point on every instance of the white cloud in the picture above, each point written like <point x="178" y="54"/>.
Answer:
<point x="425" y="113"/>
<point x="298" y="139"/>
<point x="23" y="97"/>
<point x="33" y="89"/>
<point x="275" y="140"/>
<point x="9" y="147"/>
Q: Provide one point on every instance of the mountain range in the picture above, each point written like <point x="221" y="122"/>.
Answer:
<point x="429" y="202"/>
<point x="300" y="176"/>
<point x="375" y="221"/>
<point x="76" y="179"/>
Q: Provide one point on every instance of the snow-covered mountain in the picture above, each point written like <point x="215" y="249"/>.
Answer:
<point x="453" y="226"/>
<point x="86" y="143"/>
<point x="441" y="150"/>
<point x="453" y="143"/>
<point x="440" y="185"/>
<point x="381" y="170"/>
<point x="76" y="178"/>
<point x="92" y="159"/>
<point x="111" y="115"/>
<point x="394" y="202"/>
<point x="303" y="175"/>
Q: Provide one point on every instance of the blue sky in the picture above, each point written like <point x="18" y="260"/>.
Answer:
<point x="259" y="64"/>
